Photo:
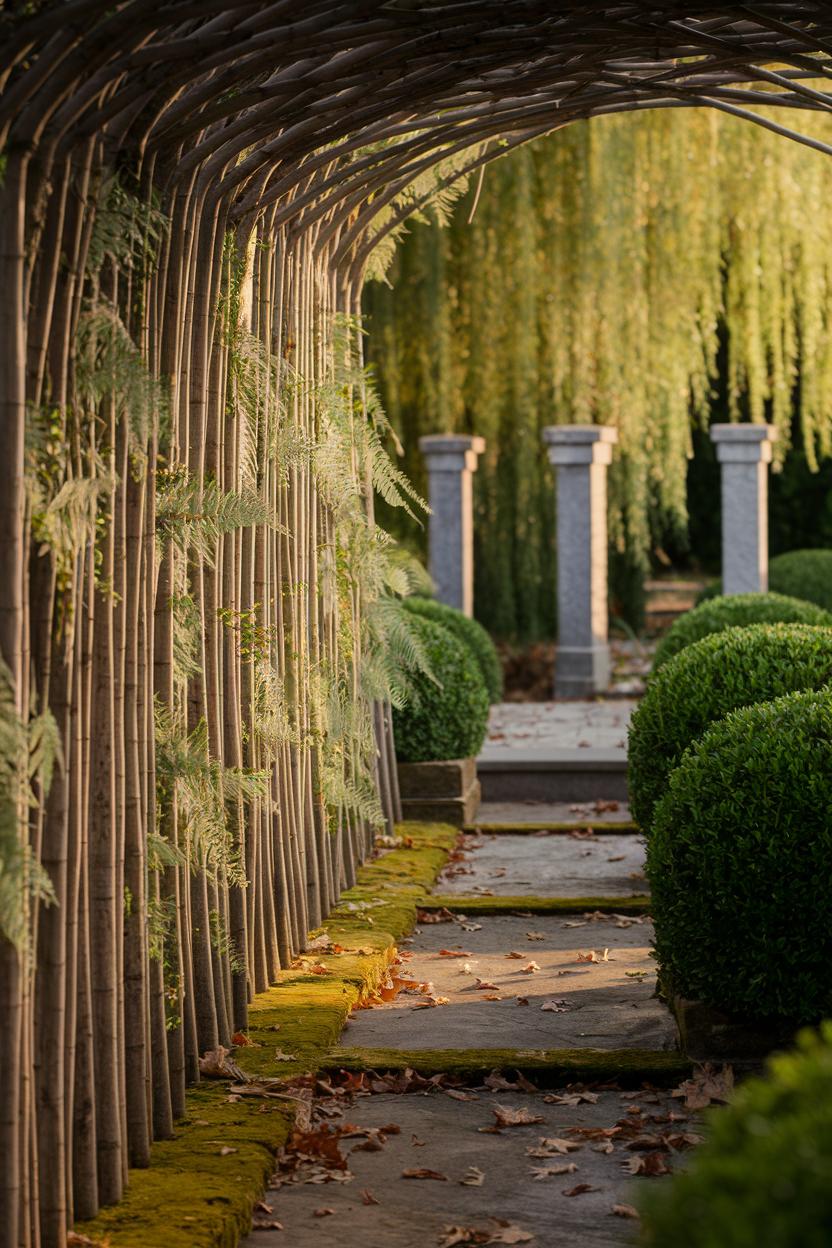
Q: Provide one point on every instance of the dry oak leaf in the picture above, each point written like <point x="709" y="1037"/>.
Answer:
<point x="323" y="1212"/>
<point x="434" y="916"/>
<point x="218" y="1064"/>
<point x="626" y="1211"/>
<point x="422" y="1172"/>
<point x="456" y="1095"/>
<point x="651" y="1165"/>
<point x="535" y="935"/>
<point x="453" y="1235"/>
<point x="507" y="1117"/>
<point x="453" y="953"/>
<point x="530" y="968"/>
<point x="508" y="1233"/>
<point x="593" y="956"/>
<point x="516" y="955"/>
<point x="551" y="1146"/>
<point x="280" y="1056"/>
<point x="485" y="985"/>
<point x="606" y="1146"/>
<point x="555" y="1007"/>
<point x="367" y="1197"/>
<point x="522" y="1000"/>
<point x="579" y="1189"/>
<point x="571" y="1098"/>
<point x="706" y="1085"/>
<point x="474" y="1177"/>
<point x="549" y="1172"/>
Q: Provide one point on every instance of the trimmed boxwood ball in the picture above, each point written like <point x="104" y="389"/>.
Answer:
<point x="803" y="574"/>
<point x="445" y="717"/>
<point x="739" y="864"/>
<point x="471" y="633"/>
<point x="761" y="1180"/>
<point x="727" y="670"/>
<point x="734" y="610"/>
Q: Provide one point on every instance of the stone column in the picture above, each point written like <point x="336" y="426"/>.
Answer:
<point x="744" y="454"/>
<point x="451" y="462"/>
<point x="581" y="455"/>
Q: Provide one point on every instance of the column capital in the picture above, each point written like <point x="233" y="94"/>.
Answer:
<point x="451" y="452"/>
<point x="743" y="444"/>
<point x="580" y="444"/>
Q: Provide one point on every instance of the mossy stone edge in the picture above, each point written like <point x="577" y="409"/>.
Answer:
<point x="549" y="1067"/>
<point x="193" y="1195"/>
<point x="459" y="904"/>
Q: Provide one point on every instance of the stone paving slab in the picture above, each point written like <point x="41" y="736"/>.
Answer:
<point x="549" y="866"/>
<point x="578" y="813"/>
<point x="608" y="1004"/>
<point x="564" y="725"/>
<point x="413" y="1213"/>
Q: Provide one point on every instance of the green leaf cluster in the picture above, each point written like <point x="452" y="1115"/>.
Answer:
<point x="472" y="634"/>
<point x="734" y="610"/>
<point x="738" y="861"/>
<point x="447" y="713"/>
<point x="803" y="574"/>
<point x="726" y="670"/>
<point x="761" y="1180"/>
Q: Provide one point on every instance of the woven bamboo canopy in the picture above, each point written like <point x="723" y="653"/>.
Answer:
<point x="193" y="594"/>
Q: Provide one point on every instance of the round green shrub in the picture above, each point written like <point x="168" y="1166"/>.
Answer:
<point x="734" y="610"/>
<point x="706" y="680"/>
<point x="445" y="717"/>
<point x="471" y="633"/>
<point x="803" y="574"/>
<point x="761" y="1180"/>
<point x="739" y="864"/>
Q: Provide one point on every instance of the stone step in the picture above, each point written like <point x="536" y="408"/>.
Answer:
<point x="603" y="815"/>
<point x="549" y="774"/>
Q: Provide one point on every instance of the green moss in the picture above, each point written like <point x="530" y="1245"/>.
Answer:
<point x="517" y="829"/>
<point x="193" y="1196"/>
<point x="536" y="905"/>
<point x="553" y="1065"/>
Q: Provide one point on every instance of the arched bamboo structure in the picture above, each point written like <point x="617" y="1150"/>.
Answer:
<point x="192" y="593"/>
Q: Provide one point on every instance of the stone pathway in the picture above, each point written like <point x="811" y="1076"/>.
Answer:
<point x="410" y="1161"/>
<point x="560" y="725"/>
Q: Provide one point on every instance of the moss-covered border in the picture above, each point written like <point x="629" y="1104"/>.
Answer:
<point x="195" y="1196"/>
<point x="458" y="904"/>
<point x="548" y="1066"/>
<point x="628" y="826"/>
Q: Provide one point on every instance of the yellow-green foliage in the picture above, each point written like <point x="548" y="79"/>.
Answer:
<point x="193" y="1196"/>
<point x="590" y="287"/>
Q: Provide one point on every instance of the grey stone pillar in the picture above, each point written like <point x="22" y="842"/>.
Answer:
<point x="451" y="462"/>
<point x="744" y="454"/>
<point x="581" y="455"/>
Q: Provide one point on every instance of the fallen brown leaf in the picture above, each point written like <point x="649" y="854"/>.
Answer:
<point x="706" y="1085"/>
<point x="474" y="1177"/>
<point x="651" y="1165"/>
<point x="452" y="953"/>
<point x="579" y="1189"/>
<point x="323" y="1212"/>
<point x="549" y="1172"/>
<point x="422" y="1172"/>
<point x="367" y="1197"/>
<point x="551" y="1146"/>
<point x="507" y="1117"/>
<point x="626" y="1211"/>
<point x="555" y="1007"/>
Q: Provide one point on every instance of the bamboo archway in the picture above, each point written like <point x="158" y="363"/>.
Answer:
<point x="197" y="614"/>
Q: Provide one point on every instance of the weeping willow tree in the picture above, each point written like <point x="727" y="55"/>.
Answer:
<point x="601" y="270"/>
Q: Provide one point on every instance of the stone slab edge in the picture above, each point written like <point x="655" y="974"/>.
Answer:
<point x="532" y="826"/>
<point x="547" y="1066"/>
<point x="458" y="904"/>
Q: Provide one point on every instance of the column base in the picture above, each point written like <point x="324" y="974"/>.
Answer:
<point x="582" y="671"/>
